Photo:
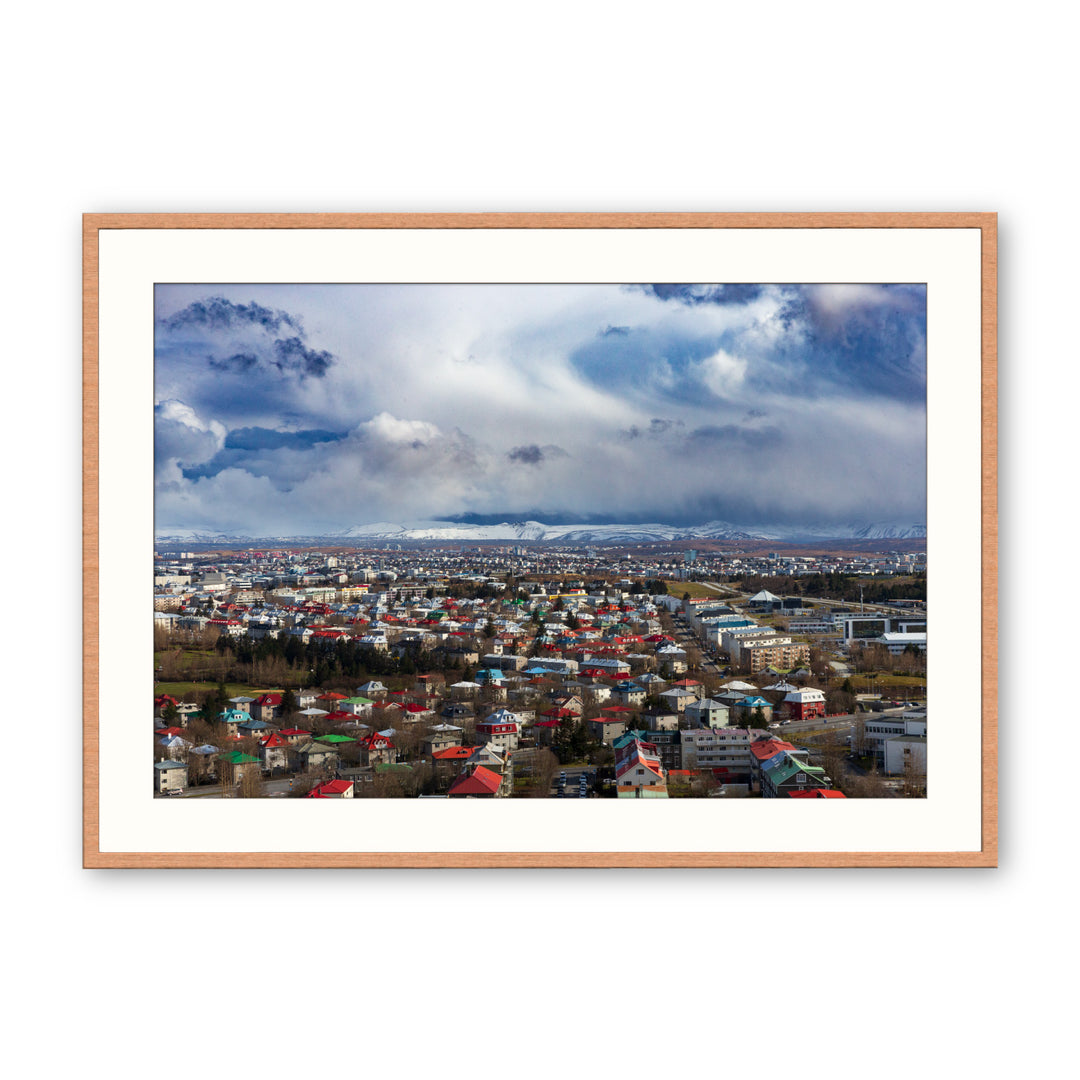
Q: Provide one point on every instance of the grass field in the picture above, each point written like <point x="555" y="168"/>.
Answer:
<point x="695" y="589"/>
<point x="179" y="689"/>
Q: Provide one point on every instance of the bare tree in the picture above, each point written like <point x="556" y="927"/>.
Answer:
<point x="913" y="785"/>
<point x="251" y="784"/>
<point x="545" y="766"/>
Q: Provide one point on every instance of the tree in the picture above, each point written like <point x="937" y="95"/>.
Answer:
<point x="218" y="702"/>
<point x="288" y="703"/>
<point x="832" y="757"/>
<point x="914" y="782"/>
<point x="545" y="764"/>
<point x="251" y="785"/>
<point x="562" y="743"/>
<point x="860" y="745"/>
<point x="758" y="721"/>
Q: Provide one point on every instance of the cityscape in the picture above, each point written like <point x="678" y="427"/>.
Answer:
<point x="540" y="542"/>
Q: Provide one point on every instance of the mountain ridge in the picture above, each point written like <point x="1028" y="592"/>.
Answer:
<point x="537" y="532"/>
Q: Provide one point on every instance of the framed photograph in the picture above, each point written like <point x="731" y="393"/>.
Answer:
<point x="542" y="540"/>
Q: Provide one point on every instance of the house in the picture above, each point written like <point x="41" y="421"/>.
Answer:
<point x="253" y="729"/>
<point x="202" y="763"/>
<point x="748" y="708"/>
<point x="706" y="713"/>
<point x="377" y="749"/>
<point x="230" y="720"/>
<point x="637" y="764"/>
<point x="238" y="763"/>
<point x="607" y="729"/>
<point x="481" y="783"/>
<point x="243" y="704"/>
<point x="818" y="793"/>
<point x="267" y="707"/>
<point x="163" y="702"/>
<point x="763" y="751"/>
<point x="464" y="690"/>
<point x="501" y="729"/>
<point x="186" y="711"/>
<point x="274" y="751"/>
<point x="170" y="776"/>
<point x="332" y="789"/>
<point x="317" y="757"/>
<point x="783" y="774"/>
<point x="456" y="710"/>
<point x="491" y="758"/>
<point x="808" y="704"/>
<point x="677" y="699"/>
<point x="449" y="761"/>
<point x="373" y="689"/>
<point x="629" y="694"/>
<point x="671" y="659"/>
<point x="441" y="737"/>
<point x="175" y="748"/>
<point x="656" y="720"/>
<point x="295" y="736"/>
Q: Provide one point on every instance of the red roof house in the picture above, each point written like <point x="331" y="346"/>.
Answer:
<point x="482" y="783"/>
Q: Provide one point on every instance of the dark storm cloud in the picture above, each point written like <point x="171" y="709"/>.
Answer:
<point x="254" y="347"/>
<point x="657" y="428"/>
<point x="291" y="354"/>
<point x="534" y="455"/>
<point x="615" y="331"/>
<point x="705" y="294"/>
<point x="527" y="455"/>
<point x="236" y="362"/>
<point x="217" y="313"/>
<point x="721" y="435"/>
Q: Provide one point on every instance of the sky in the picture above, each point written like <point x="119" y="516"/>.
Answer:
<point x="307" y="409"/>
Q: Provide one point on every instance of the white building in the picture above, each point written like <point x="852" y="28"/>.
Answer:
<point x="905" y="755"/>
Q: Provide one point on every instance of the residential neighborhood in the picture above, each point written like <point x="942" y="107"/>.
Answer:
<point x="538" y="672"/>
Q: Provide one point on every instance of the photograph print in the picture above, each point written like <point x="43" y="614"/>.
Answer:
<point x="540" y="541"/>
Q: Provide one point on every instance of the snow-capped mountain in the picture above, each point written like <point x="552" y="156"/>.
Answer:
<point x="573" y="535"/>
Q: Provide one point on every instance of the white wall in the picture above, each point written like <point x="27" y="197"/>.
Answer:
<point x="129" y="107"/>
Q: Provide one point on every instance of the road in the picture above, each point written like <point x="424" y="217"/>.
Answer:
<point x="869" y="609"/>
<point x="573" y="778"/>
<point x="271" y="788"/>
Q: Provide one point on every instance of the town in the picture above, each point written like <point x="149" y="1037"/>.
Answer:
<point x="539" y="671"/>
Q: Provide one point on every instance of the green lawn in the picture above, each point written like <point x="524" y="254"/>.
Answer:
<point x="179" y="689"/>
<point x="695" y="589"/>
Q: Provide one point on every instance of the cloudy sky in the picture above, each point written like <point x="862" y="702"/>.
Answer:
<point x="302" y="409"/>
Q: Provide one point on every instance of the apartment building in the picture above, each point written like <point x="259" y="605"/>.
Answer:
<point x="726" y="749"/>
<point x="775" y="652"/>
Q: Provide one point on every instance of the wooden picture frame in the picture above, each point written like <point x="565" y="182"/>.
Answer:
<point x="100" y="381"/>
